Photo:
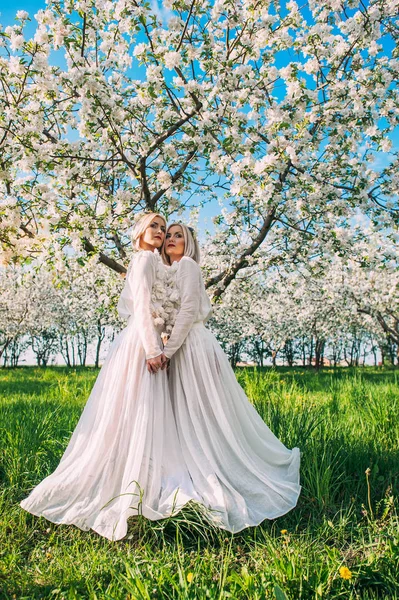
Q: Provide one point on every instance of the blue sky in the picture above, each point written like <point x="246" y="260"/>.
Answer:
<point x="9" y="9"/>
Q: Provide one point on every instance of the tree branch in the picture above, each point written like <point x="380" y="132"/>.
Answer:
<point x="160" y="139"/>
<point x="103" y="258"/>
<point x="227" y="275"/>
<point x="82" y="49"/>
<point x="118" y="244"/>
<point x="144" y="184"/>
<point x="28" y="232"/>
<point x="392" y="333"/>
<point x="175" y="177"/>
<point x="186" y="25"/>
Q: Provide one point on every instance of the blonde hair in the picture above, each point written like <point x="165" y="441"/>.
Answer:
<point x="141" y="225"/>
<point x="191" y="247"/>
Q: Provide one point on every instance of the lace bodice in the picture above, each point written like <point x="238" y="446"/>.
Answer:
<point x="144" y="297"/>
<point x="195" y="306"/>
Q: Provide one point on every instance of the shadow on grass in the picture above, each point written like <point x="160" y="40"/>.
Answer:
<point x="76" y="589"/>
<point x="38" y="381"/>
<point x="24" y="388"/>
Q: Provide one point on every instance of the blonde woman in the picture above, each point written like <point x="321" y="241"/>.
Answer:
<point x="241" y="471"/>
<point x="123" y="457"/>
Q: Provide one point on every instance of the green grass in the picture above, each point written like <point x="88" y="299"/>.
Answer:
<point x="345" y="422"/>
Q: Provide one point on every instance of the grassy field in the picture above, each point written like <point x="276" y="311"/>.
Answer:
<point x="342" y="541"/>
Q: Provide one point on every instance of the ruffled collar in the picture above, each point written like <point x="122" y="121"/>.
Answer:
<point x="173" y="267"/>
<point x="155" y="252"/>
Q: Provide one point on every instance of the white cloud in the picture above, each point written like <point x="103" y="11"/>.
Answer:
<point x="162" y="12"/>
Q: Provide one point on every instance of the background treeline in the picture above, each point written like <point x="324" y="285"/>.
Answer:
<point x="340" y="311"/>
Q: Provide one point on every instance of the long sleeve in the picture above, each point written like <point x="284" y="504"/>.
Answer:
<point x="125" y="303"/>
<point x="188" y="283"/>
<point x="136" y="299"/>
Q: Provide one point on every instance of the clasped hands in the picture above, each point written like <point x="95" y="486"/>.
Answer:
<point x="159" y="362"/>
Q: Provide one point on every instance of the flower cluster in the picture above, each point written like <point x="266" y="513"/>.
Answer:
<point x="172" y="302"/>
<point x="164" y="297"/>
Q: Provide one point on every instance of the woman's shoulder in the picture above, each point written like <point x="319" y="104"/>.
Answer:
<point x="144" y="260"/>
<point x="188" y="268"/>
<point x="189" y="260"/>
<point x="145" y="256"/>
<point x="188" y="264"/>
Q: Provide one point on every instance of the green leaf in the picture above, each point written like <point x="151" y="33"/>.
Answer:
<point x="279" y="594"/>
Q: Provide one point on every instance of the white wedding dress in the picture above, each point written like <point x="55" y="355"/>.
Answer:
<point x="123" y="457"/>
<point x="241" y="471"/>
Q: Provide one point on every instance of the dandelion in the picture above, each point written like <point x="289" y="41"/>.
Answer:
<point x="283" y="532"/>
<point x="345" y="573"/>
<point x="190" y="577"/>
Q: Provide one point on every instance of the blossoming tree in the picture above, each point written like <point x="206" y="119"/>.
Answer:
<point x="57" y="312"/>
<point x="115" y="107"/>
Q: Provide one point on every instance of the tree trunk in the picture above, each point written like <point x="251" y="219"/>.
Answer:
<point x="364" y="356"/>
<point x="65" y="350"/>
<point x="374" y="351"/>
<point x="319" y="350"/>
<point x="289" y="352"/>
<point x="98" y="348"/>
<point x="100" y="338"/>
<point x="311" y="351"/>
<point x="73" y="353"/>
<point x="82" y="344"/>
<point x="5" y="346"/>
<point x="16" y="351"/>
<point x="303" y="353"/>
<point x="336" y="355"/>
<point x="382" y="350"/>
<point x="235" y="351"/>
<point x="392" y="353"/>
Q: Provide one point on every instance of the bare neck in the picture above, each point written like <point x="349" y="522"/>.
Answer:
<point x="145" y="246"/>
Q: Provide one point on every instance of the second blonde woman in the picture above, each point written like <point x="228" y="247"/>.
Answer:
<point x="239" y="468"/>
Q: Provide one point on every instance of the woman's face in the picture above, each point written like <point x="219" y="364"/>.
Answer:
<point x="154" y="235"/>
<point x="174" y="244"/>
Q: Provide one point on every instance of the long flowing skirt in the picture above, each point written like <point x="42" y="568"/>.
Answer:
<point x="242" y="472"/>
<point x="123" y="458"/>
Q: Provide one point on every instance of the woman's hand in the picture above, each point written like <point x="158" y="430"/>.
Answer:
<point x="159" y="362"/>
